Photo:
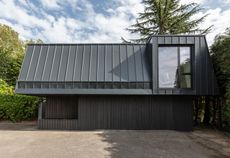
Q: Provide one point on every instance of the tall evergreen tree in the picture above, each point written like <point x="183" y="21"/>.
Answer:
<point x="167" y="17"/>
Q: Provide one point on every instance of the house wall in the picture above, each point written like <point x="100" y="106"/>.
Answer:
<point x="203" y="77"/>
<point x="118" y="112"/>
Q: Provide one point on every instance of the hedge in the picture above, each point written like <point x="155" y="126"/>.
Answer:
<point x="16" y="107"/>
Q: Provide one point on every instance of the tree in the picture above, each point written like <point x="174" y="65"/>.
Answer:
<point x="220" y="51"/>
<point x="167" y="17"/>
<point x="11" y="54"/>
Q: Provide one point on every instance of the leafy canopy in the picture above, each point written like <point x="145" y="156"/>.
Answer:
<point x="167" y="17"/>
<point x="220" y="52"/>
<point x="11" y="53"/>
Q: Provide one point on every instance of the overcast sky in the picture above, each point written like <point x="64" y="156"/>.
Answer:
<point x="86" y="21"/>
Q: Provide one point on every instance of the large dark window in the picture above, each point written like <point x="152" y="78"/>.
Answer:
<point x="174" y="67"/>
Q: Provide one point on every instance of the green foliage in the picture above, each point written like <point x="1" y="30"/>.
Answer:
<point x="167" y="17"/>
<point x="11" y="54"/>
<point x="16" y="107"/>
<point x="13" y="107"/>
<point x="226" y="108"/>
<point x="5" y="88"/>
<point x="220" y="51"/>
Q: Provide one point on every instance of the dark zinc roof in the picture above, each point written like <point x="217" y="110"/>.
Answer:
<point x="130" y="69"/>
<point x="86" y="63"/>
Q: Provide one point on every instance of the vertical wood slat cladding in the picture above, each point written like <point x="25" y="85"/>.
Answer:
<point x="131" y="112"/>
<point x="61" y="107"/>
<point x="118" y="112"/>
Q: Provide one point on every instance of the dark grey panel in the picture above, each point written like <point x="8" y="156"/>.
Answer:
<point x="56" y="63"/>
<point x="49" y="91"/>
<point x="78" y="63"/>
<point x="168" y="40"/>
<point x="203" y="67"/>
<point x="155" y="65"/>
<point x="190" y="40"/>
<point x="146" y="62"/>
<point x="41" y="62"/>
<point x="131" y="63"/>
<point x="63" y="63"/>
<point x="124" y="63"/>
<point x="86" y="63"/>
<point x="182" y="40"/>
<point x="93" y="63"/>
<point x="101" y="63"/>
<point x="48" y="63"/>
<point x="71" y="63"/>
<point x="197" y="70"/>
<point x="26" y="63"/>
<point x="108" y="63"/>
<point x="116" y="63"/>
<point x="161" y="40"/>
<point x="138" y="63"/>
<point x="33" y="63"/>
<point x="175" y="40"/>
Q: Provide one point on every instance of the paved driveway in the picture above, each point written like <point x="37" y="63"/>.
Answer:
<point x="24" y="141"/>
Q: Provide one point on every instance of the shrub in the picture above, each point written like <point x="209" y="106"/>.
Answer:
<point x="16" y="107"/>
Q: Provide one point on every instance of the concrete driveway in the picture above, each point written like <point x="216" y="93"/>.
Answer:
<point x="25" y="141"/>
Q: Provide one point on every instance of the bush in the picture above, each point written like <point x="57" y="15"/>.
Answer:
<point x="16" y="107"/>
<point x="226" y="108"/>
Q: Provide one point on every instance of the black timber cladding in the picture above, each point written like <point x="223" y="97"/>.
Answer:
<point x="118" y="112"/>
<point x="111" y="68"/>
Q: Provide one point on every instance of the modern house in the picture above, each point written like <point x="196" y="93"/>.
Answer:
<point x="119" y="86"/>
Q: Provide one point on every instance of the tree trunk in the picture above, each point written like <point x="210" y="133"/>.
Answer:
<point x="207" y="111"/>
<point x="214" y="105"/>
<point x="196" y="110"/>
<point x="220" y="101"/>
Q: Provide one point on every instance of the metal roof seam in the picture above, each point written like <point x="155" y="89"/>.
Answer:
<point x="97" y="63"/>
<point x="142" y="66"/>
<point x="120" y="61"/>
<point x="60" y="61"/>
<point x="74" y="64"/>
<point x="23" y="63"/>
<point x="105" y="64"/>
<point x="51" y="70"/>
<point x="127" y="62"/>
<point x="27" y="75"/>
<point x="89" y="69"/>
<point x="67" y="63"/>
<point x="45" y="63"/>
<point x="135" y="65"/>
<point x="112" y="62"/>
<point x="83" y="52"/>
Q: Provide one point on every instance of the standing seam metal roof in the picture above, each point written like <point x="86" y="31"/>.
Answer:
<point x="86" y="63"/>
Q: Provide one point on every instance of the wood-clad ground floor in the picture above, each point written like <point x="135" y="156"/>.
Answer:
<point x="89" y="112"/>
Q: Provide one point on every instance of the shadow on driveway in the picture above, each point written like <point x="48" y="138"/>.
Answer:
<point x="166" y="144"/>
<point x="25" y="140"/>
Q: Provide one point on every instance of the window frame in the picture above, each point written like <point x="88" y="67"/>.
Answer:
<point x="178" y="63"/>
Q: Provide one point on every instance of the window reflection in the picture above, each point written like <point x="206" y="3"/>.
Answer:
<point x="185" y="59"/>
<point x="168" y="67"/>
<point x="174" y="67"/>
